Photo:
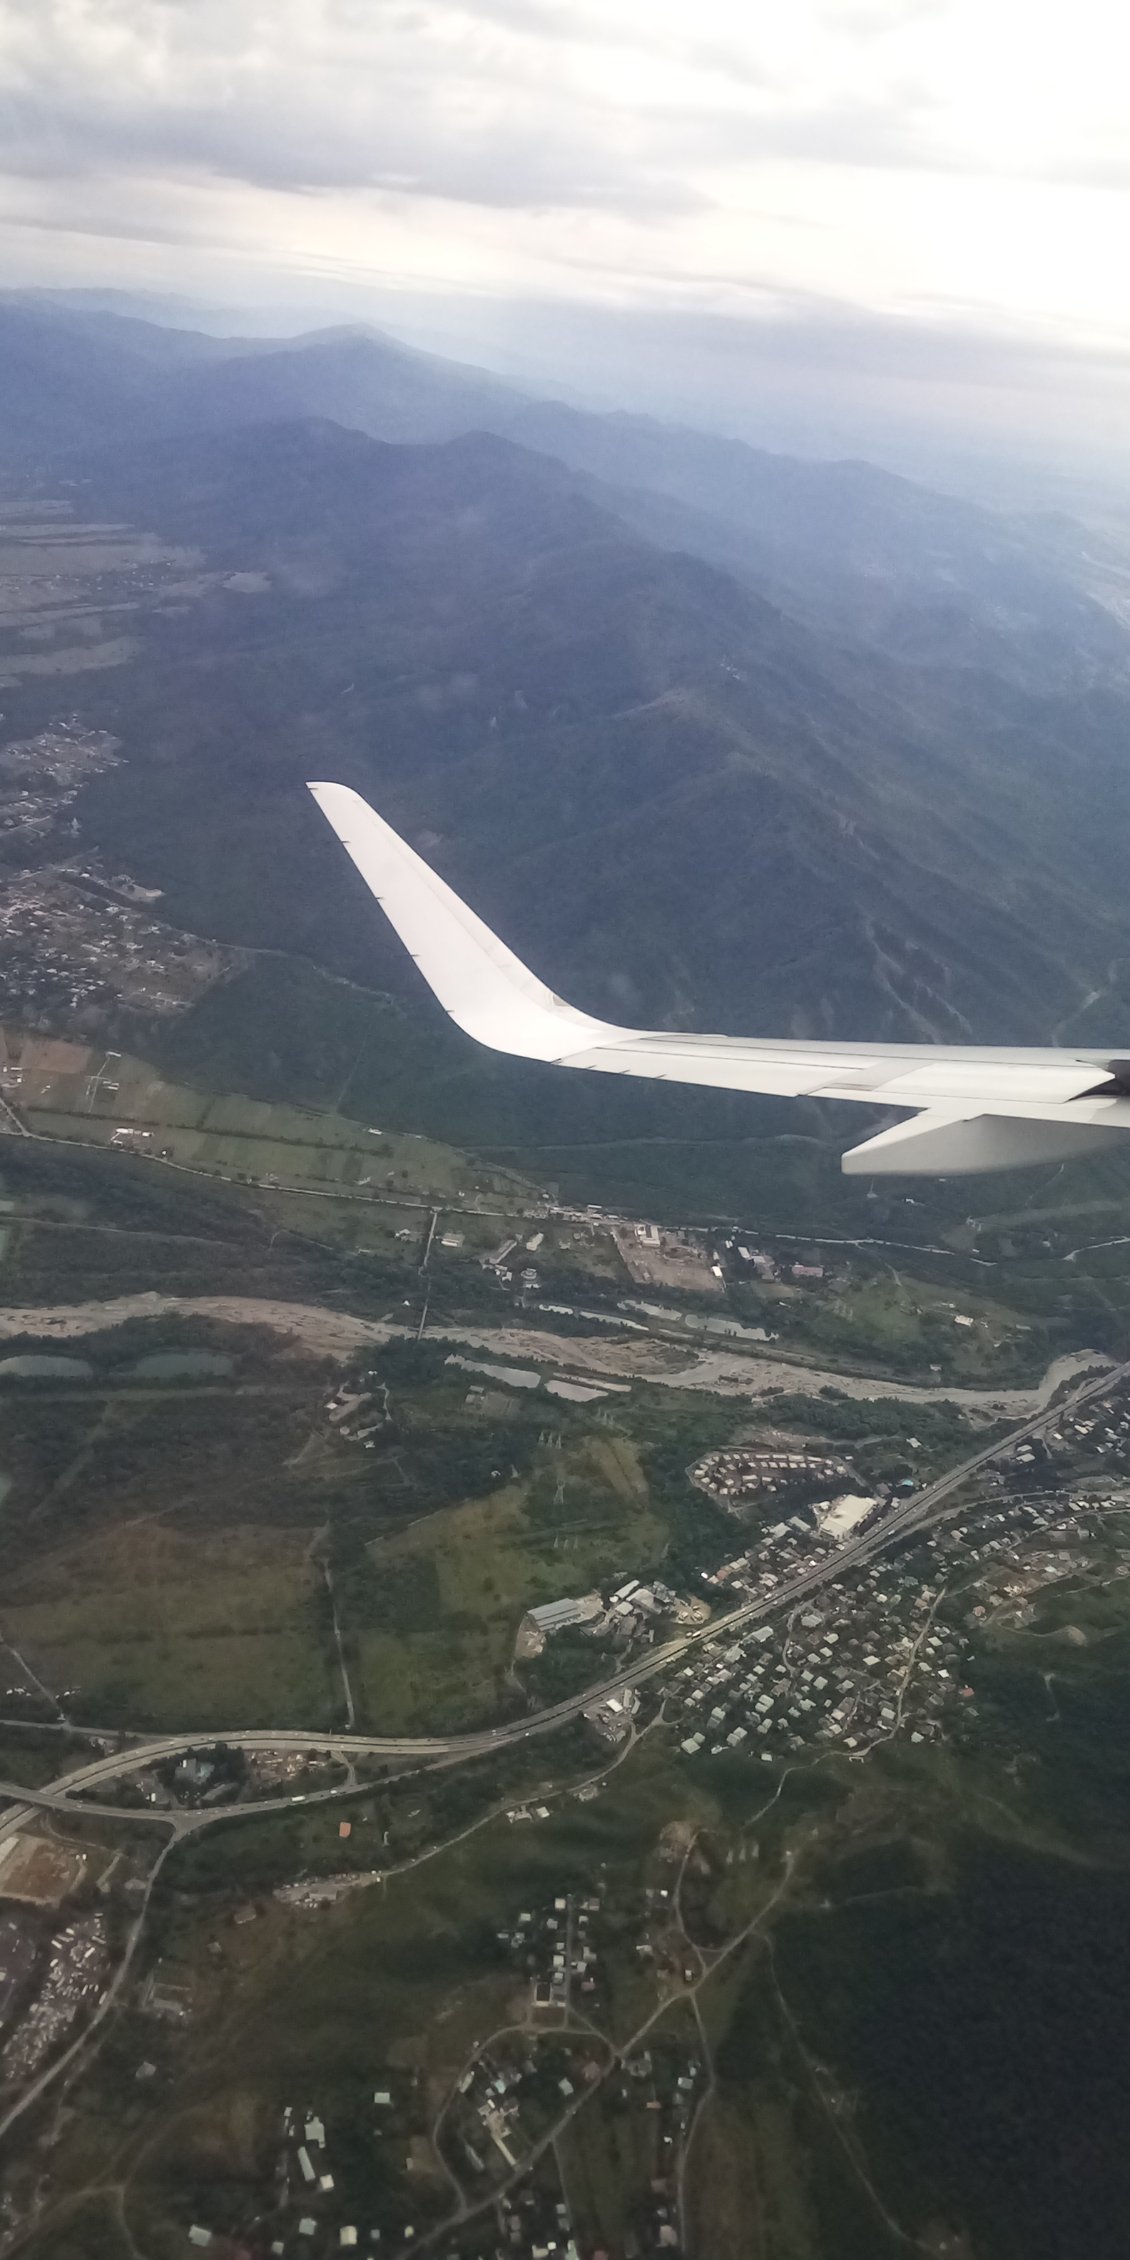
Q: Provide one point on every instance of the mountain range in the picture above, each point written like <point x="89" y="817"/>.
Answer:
<point x="714" y="737"/>
<point x="855" y="549"/>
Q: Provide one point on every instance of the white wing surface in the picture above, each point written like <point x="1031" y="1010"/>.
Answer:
<point x="975" y="1108"/>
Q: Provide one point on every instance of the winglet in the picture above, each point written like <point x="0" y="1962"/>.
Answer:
<point x="981" y="1109"/>
<point x="485" y="988"/>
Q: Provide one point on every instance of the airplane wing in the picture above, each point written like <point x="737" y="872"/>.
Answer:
<point x="974" y="1108"/>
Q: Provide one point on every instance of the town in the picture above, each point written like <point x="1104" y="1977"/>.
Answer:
<point x="495" y="2133"/>
<point x="79" y="938"/>
<point x="884" y="1649"/>
<point x="739" y="1478"/>
<point x="885" y="1642"/>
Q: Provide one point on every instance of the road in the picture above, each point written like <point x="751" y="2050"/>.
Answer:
<point x="10" y="1121"/>
<point x="339" y="1644"/>
<point x="916" y="1513"/>
<point x="417" y="1753"/>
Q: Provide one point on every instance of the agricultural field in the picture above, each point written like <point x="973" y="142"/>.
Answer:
<point x="68" y="591"/>
<point x="94" y="1096"/>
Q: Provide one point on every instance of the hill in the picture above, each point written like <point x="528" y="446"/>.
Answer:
<point x="682" y="801"/>
<point x="857" y="552"/>
<point x="673" y="798"/>
<point x="68" y="374"/>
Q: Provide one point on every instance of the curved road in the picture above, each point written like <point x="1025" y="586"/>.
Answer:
<point x="415" y="1752"/>
<point x="915" y="1513"/>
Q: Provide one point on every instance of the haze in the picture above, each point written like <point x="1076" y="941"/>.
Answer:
<point x="832" y="225"/>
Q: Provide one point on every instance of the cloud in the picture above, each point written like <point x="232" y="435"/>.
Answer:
<point x="868" y="133"/>
<point x="515" y="103"/>
<point x="802" y="372"/>
<point x="445" y="102"/>
<point x="402" y="151"/>
<point x="960" y="160"/>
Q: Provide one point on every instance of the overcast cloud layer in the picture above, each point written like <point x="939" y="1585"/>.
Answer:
<point x="939" y="187"/>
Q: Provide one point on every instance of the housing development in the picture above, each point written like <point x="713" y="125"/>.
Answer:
<point x="564" y="1079"/>
<point x="848" y="1621"/>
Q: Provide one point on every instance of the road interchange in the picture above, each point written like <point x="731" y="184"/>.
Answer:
<point x="424" y="1752"/>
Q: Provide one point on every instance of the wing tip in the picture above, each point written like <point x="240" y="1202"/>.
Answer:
<point x="340" y="803"/>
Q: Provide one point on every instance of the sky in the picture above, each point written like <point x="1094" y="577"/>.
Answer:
<point x="829" y="210"/>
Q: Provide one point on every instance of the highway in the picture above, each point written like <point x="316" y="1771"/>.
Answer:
<point x="422" y="1751"/>
<point x="419" y="1753"/>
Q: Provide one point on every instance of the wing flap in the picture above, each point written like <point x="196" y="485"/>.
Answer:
<point x="736" y="1063"/>
<point x="946" y="1145"/>
<point x="727" y="1064"/>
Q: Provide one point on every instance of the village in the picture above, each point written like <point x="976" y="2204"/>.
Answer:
<point x="885" y="1649"/>
<point x="77" y="937"/>
<point x="503" y="2113"/>
<point x="74" y="943"/>
<point x="740" y="1478"/>
<point x="75" y="1969"/>
<point x="886" y="1646"/>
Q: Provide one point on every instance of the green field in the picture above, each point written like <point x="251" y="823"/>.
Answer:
<point x="158" y="1629"/>
<point x="449" y="1594"/>
<point x="156" y="1546"/>
<point x="85" y="1093"/>
<point x="163" y="1539"/>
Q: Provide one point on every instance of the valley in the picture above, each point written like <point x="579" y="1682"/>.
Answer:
<point x="680" y="1889"/>
<point x="563" y="1666"/>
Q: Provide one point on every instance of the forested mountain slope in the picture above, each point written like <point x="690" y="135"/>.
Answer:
<point x="678" y="801"/>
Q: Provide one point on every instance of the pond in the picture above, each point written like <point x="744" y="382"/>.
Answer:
<point x="37" y="1367"/>
<point x="182" y="1365"/>
<point x="515" y="1376"/>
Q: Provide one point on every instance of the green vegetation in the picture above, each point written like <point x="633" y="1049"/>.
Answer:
<point x="171" y="1519"/>
<point x="874" y="1432"/>
<point x="147" y="1627"/>
<point x="30" y="1756"/>
<point x="392" y="1985"/>
<point x="881" y="2046"/>
<point x="935" y="2008"/>
<point x="74" y="1092"/>
<point x="393" y="1821"/>
<point x="156" y="1543"/>
<point x="701" y="1535"/>
<point x="88" y="1224"/>
<point x="433" y="1613"/>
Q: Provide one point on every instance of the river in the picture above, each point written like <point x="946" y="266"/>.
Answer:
<point x="727" y="1373"/>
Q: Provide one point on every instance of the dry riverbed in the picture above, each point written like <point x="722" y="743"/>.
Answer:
<point x="631" y="1357"/>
